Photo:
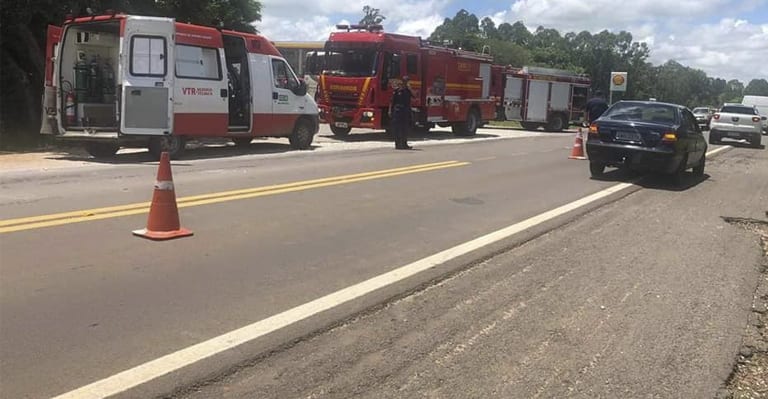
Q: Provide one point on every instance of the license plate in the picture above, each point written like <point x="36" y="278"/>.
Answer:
<point x="342" y="125"/>
<point x="627" y="136"/>
<point x="731" y="134"/>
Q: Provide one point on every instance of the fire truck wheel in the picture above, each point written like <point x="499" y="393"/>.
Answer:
<point x="242" y="141"/>
<point x="556" y="123"/>
<point x="102" y="150"/>
<point x="529" y="125"/>
<point x="174" y="145"/>
<point x="340" y="131"/>
<point x="302" y="136"/>
<point x="468" y="128"/>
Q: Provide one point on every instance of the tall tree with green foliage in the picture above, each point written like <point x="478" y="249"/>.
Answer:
<point x="372" y="16"/>
<point x="756" y="87"/>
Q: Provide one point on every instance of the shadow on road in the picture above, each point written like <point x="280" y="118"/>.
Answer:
<point x="654" y="181"/>
<point x="194" y="151"/>
<point x="380" y="136"/>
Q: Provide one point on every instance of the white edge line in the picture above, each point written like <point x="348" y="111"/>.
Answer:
<point x="153" y="369"/>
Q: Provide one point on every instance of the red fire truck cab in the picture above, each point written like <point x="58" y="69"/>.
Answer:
<point x="360" y="63"/>
<point x="123" y="80"/>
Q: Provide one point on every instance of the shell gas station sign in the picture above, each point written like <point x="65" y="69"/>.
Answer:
<point x="618" y="81"/>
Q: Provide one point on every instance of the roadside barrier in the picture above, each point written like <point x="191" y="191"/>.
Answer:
<point x="163" y="221"/>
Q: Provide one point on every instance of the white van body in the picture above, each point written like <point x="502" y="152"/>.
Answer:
<point x="761" y="103"/>
<point x="125" y="80"/>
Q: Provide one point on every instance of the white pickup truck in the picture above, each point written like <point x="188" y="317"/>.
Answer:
<point x="736" y="121"/>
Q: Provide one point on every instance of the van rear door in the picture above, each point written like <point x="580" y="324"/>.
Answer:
<point x="48" y="125"/>
<point x="147" y="56"/>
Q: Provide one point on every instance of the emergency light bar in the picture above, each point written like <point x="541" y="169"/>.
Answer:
<point x="369" y="28"/>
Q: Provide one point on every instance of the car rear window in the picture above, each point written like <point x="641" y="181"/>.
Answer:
<point x="700" y="111"/>
<point x="734" y="109"/>
<point x="655" y="113"/>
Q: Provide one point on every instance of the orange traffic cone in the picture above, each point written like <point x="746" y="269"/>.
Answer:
<point x="163" y="222"/>
<point x="578" y="147"/>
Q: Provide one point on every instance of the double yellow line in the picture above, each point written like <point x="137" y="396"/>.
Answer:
<point x="57" y="219"/>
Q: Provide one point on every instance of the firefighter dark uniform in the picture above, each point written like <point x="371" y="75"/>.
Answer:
<point x="400" y="110"/>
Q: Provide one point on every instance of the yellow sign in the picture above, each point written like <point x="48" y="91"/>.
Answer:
<point x="618" y="81"/>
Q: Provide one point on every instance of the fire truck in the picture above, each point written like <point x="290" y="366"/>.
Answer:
<point x="540" y="97"/>
<point x="123" y="80"/>
<point x="359" y="64"/>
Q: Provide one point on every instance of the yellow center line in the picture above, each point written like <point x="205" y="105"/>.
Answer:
<point x="57" y="219"/>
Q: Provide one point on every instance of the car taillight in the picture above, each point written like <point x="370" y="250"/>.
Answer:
<point x="755" y="119"/>
<point x="669" y="137"/>
<point x="593" y="129"/>
<point x="716" y="116"/>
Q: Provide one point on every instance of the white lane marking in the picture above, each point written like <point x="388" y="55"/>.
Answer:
<point x="153" y="369"/>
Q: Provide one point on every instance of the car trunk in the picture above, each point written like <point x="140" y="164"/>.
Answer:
<point x="637" y="133"/>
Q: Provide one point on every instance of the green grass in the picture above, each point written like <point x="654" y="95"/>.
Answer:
<point x="513" y="124"/>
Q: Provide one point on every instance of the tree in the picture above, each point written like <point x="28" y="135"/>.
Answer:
<point x="757" y="87"/>
<point x="462" y="31"/>
<point x="372" y="16"/>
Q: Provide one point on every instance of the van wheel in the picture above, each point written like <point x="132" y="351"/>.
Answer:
<point x="340" y="131"/>
<point x="468" y="128"/>
<point x="173" y="145"/>
<point x="242" y="141"/>
<point x="102" y="150"/>
<point x="555" y="123"/>
<point x="301" y="138"/>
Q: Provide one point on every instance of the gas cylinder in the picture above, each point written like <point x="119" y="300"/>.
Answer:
<point x="81" y="80"/>
<point x="70" y="107"/>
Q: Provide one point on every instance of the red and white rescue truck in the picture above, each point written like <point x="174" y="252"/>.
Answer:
<point x="359" y="64"/>
<point x="452" y="87"/>
<point x="541" y="97"/>
<point x="123" y="80"/>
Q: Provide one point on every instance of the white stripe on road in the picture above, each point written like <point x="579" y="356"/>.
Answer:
<point x="153" y="369"/>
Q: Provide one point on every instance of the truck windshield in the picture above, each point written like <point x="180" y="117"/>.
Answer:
<point x="350" y="62"/>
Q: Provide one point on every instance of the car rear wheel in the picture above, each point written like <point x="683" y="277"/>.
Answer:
<point x="756" y="142"/>
<point x="698" y="170"/>
<point x="678" y="176"/>
<point x="596" y="169"/>
<point x="713" y="139"/>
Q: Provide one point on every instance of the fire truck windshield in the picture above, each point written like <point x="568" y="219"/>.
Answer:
<point x="351" y="62"/>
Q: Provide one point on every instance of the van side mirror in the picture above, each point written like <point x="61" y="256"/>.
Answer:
<point x="301" y="89"/>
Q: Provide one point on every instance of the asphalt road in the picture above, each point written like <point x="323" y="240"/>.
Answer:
<point x="82" y="301"/>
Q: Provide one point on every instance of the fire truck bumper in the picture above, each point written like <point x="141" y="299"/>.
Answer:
<point x="358" y="117"/>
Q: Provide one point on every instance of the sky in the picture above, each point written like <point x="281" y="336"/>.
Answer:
<point x="724" y="38"/>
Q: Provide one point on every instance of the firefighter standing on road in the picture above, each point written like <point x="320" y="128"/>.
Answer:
<point x="400" y="113"/>
<point x="596" y="106"/>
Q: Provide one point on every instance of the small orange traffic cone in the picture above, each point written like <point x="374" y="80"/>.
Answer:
<point x="163" y="222"/>
<point x="578" y="147"/>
